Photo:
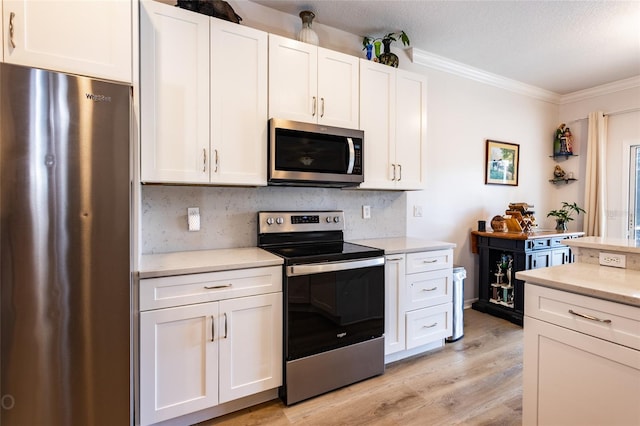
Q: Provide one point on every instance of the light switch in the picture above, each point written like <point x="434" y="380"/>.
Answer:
<point x="193" y="218"/>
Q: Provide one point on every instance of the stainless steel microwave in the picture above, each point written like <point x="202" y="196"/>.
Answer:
<point x="304" y="154"/>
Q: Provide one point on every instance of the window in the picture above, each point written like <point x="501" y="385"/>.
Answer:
<point x="634" y="194"/>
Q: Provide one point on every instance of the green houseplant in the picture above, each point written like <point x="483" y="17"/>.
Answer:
<point x="563" y="215"/>
<point x="386" y="57"/>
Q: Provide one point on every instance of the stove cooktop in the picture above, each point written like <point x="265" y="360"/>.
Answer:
<point x="323" y="252"/>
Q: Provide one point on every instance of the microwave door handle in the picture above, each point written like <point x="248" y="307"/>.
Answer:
<point x="352" y="156"/>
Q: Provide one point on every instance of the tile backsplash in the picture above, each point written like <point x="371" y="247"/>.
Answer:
<point x="228" y="215"/>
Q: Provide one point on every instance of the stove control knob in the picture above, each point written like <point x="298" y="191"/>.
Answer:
<point x="280" y="221"/>
<point x="270" y="221"/>
<point x="328" y="219"/>
<point x="336" y="219"/>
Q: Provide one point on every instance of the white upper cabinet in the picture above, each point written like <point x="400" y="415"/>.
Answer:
<point x="393" y="115"/>
<point x="312" y="84"/>
<point x="92" y="38"/>
<point x="174" y="94"/>
<point x="203" y="99"/>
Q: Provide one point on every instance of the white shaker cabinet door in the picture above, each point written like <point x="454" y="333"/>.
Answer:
<point x="293" y="80"/>
<point x="174" y="100"/>
<point x="178" y="361"/>
<point x="394" y="309"/>
<point x="92" y="38"/>
<point x="238" y="104"/>
<point x="378" y="120"/>
<point x="250" y="330"/>
<point x="338" y="77"/>
<point x="411" y="129"/>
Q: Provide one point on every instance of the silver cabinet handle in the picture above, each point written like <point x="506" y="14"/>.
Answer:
<point x="204" y="160"/>
<point x="217" y="161"/>
<point x="11" y="16"/>
<point x="430" y="261"/>
<point x="213" y="330"/>
<point x="430" y="326"/>
<point x="313" y="113"/>
<point x="321" y="107"/>
<point x="212" y="287"/>
<point x="394" y="171"/>
<point x="430" y="289"/>
<point x="400" y="172"/>
<point x="225" y="325"/>
<point x="394" y="259"/>
<point x="589" y="317"/>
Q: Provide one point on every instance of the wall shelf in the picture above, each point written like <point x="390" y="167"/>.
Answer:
<point x="562" y="156"/>
<point x="560" y="180"/>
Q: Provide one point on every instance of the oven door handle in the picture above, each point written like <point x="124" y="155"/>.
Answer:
<point x="319" y="268"/>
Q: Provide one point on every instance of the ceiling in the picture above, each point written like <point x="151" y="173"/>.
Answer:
<point x="559" y="46"/>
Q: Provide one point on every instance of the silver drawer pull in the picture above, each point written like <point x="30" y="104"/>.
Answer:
<point x="430" y="289"/>
<point x="589" y="317"/>
<point x="430" y="261"/>
<point x="213" y="287"/>
<point x="430" y="326"/>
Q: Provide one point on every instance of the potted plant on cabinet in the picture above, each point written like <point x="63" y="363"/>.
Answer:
<point x="563" y="215"/>
<point x="386" y="57"/>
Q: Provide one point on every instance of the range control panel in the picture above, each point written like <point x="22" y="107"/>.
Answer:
<point x="270" y="222"/>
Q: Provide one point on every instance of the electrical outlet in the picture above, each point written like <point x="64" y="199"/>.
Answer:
<point x="417" y="211"/>
<point x="193" y="218"/>
<point x="366" y="212"/>
<point x="613" y="259"/>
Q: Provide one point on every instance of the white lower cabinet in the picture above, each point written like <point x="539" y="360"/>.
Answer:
<point x="200" y="355"/>
<point x="579" y="370"/>
<point x="418" y="302"/>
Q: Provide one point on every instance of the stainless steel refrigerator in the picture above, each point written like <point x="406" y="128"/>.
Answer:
<point x="65" y="249"/>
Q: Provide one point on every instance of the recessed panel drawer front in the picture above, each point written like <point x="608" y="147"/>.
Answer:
<point x="429" y="261"/>
<point x="428" y="325"/>
<point x="180" y="290"/>
<point x="429" y="288"/>
<point x="614" y="322"/>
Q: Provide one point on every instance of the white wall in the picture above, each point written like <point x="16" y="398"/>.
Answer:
<point x="462" y="114"/>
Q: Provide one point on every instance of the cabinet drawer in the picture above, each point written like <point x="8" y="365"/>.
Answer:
<point x="553" y="306"/>
<point x="429" y="261"/>
<point x="428" y="325"/>
<point x="429" y="288"/>
<point x="538" y="243"/>
<point x="197" y="288"/>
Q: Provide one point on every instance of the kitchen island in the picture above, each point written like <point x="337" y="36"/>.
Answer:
<point x="582" y="339"/>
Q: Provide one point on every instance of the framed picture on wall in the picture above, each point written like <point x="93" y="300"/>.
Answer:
<point x="502" y="162"/>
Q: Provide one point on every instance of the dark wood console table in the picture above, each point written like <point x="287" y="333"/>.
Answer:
<point x="500" y="293"/>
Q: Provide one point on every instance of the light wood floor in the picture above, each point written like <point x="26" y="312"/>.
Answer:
<point x="474" y="381"/>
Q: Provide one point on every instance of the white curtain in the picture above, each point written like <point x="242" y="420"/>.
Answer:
<point x="595" y="197"/>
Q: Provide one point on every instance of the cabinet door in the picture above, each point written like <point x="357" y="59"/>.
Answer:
<point x="238" y="104"/>
<point x="394" y="294"/>
<point x="92" y="38"/>
<point x="539" y="259"/>
<point x="560" y="256"/>
<point x="338" y="76"/>
<point x="293" y="79"/>
<point x="570" y="378"/>
<point x="174" y="94"/>
<point x="178" y="361"/>
<point x="378" y="120"/>
<point x="411" y="129"/>
<point x="250" y="332"/>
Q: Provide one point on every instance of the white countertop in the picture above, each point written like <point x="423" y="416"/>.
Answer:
<point x="601" y="243"/>
<point x="404" y="244"/>
<point x="193" y="262"/>
<point x="603" y="282"/>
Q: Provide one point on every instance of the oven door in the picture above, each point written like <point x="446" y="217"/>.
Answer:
<point x="332" y="305"/>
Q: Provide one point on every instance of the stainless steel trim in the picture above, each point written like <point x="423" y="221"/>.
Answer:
<point x="589" y="317"/>
<point x="319" y="268"/>
<point x="352" y="156"/>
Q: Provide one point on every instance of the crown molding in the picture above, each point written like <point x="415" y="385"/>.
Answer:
<point x="601" y="90"/>
<point x="441" y="63"/>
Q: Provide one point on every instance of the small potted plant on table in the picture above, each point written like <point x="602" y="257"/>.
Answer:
<point x="563" y="215"/>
